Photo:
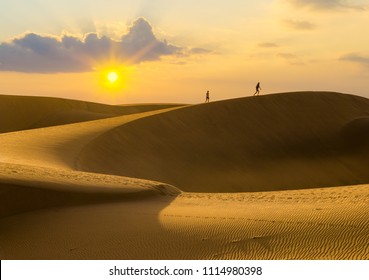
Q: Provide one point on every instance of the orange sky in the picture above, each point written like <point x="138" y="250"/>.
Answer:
<point x="175" y="52"/>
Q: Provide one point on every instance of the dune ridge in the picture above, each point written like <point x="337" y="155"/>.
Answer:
<point x="29" y="112"/>
<point x="280" y="141"/>
<point x="59" y="146"/>
<point x="28" y="188"/>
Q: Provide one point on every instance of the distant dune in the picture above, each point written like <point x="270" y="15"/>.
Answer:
<point x="28" y="112"/>
<point x="262" y="177"/>
<point x="273" y="142"/>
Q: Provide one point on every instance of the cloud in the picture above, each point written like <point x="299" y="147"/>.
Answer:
<point x="140" y="43"/>
<point x="357" y="58"/>
<point x="199" y="51"/>
<point x="49" y="54"/>
<point x="299" y="25"/>
<point x="291" y="58"/>
<point x="268" y="45"/>
<point x="329" y="4"/>
<point x="287" y="55"/>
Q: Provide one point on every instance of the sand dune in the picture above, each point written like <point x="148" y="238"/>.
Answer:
<point x="53" y="207"/>
<point x="281" y="141"/>
<point x="58" y="146"/>
<point x="27" y="112"/>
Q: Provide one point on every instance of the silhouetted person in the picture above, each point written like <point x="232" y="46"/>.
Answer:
<point x="258" y="88"/>
<point x="207" y="100"/>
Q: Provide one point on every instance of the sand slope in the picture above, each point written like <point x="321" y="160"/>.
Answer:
<point x="281" y="141"/>
<point x="25" y="188"/>
<point x="27" y="112"/>
<point x="51" y="210"/>
<point x="58" y="146"/>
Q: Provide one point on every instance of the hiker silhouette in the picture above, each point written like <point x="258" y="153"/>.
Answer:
<point x="258" y="88"/>
<point x="207" y="100"/>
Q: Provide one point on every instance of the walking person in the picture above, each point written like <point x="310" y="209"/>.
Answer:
<point x="207" y="99"/>
<point x="258" y="88"/>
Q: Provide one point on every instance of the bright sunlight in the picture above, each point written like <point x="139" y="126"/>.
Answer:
<point x="112" y="77"/>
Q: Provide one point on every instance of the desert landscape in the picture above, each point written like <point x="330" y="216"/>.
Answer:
<point x="277" y="176"/>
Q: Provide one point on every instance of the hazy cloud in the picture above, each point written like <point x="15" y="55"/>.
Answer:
<point x="199" y="51"/>
<point x="44" y="53"/>
<point x="291" y="58"/>
<point x="268" y="45"/>
<point x="357" y="58"/>
<point x="287" y="55"/>
<point x="329" y="4"/>
<point x="299" y="25"/>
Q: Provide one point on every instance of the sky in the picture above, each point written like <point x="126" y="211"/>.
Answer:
<point x="171" y="51"/>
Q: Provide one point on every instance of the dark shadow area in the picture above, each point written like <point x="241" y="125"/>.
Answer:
<point x="355" y="133"/>
<point x="15" y="199"/>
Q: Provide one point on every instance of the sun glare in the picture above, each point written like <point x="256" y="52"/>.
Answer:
<point x="112" y="77"/>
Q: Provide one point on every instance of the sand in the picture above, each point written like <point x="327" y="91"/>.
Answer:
<point x="28" y="112"/>
<point x="282" y="176"/>
<point x="267" y="143"/>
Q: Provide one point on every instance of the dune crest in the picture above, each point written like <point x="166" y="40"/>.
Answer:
<point x="29" y="112"/>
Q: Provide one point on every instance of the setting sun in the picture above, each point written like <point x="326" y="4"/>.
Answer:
<point x="112" y="77"/>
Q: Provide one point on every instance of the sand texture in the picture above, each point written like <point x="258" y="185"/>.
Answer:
<point x="281" y="176"/>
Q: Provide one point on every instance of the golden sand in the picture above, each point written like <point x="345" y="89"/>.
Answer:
<point x="271" y="177"/>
